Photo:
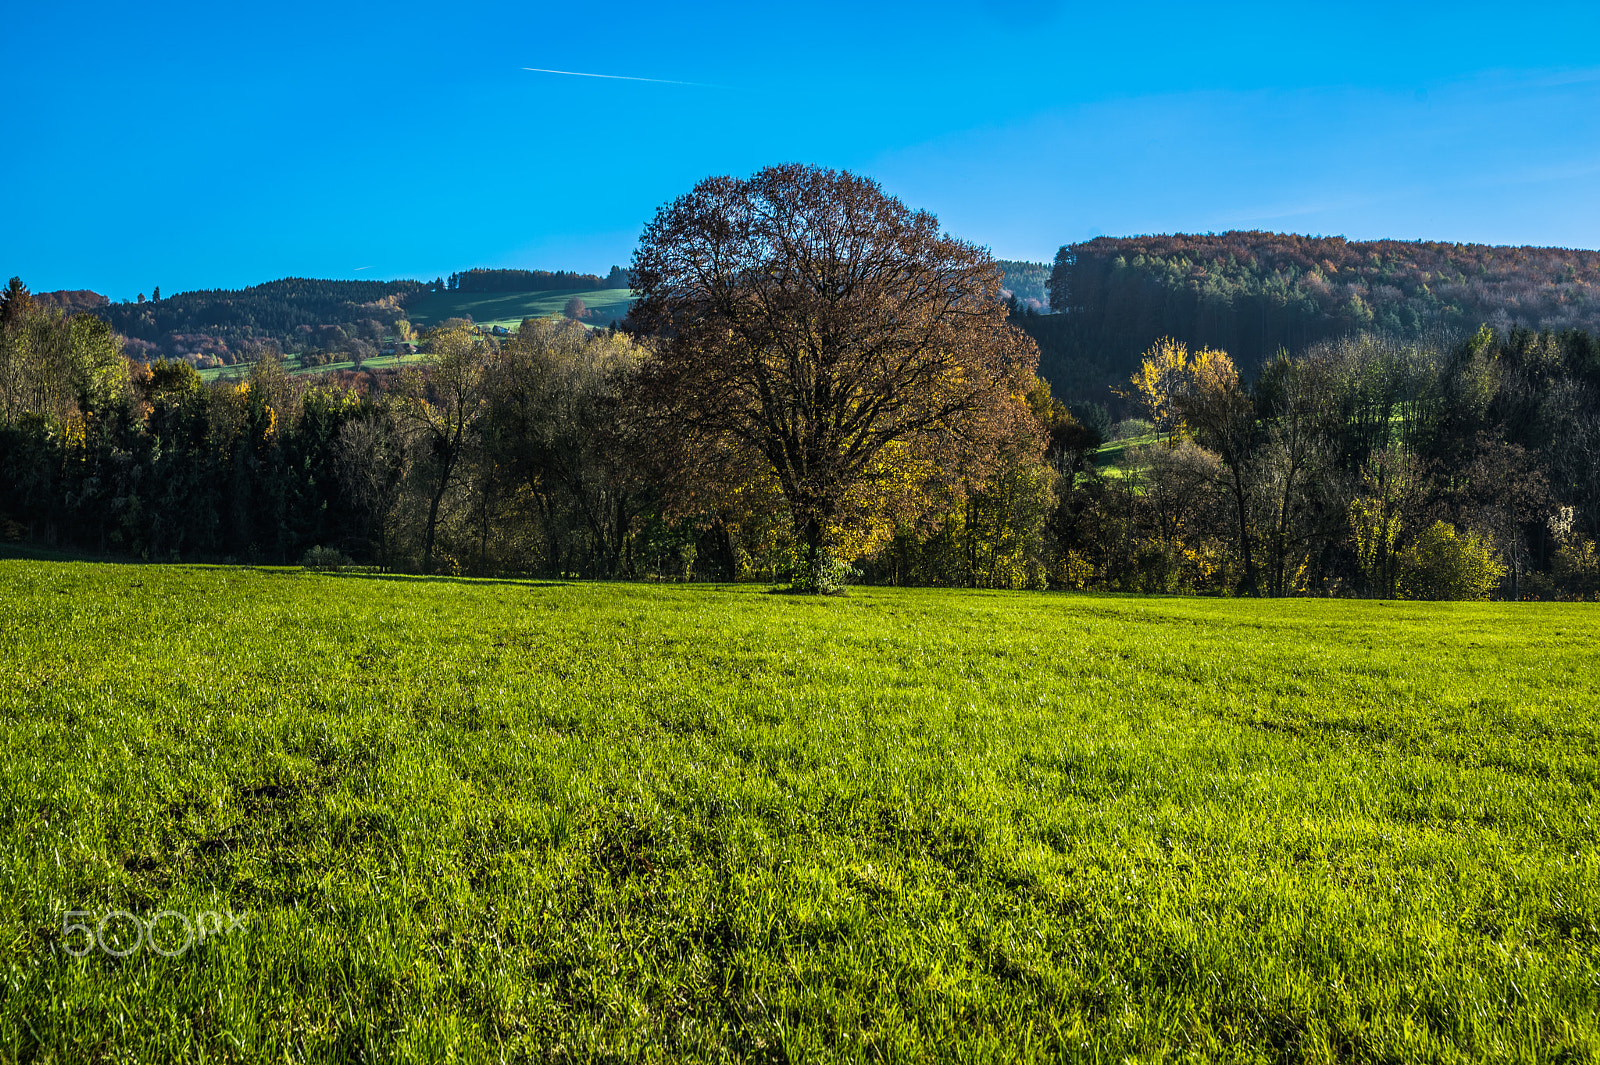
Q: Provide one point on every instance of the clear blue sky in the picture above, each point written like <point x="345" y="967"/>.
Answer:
<point x="202" y="145"/>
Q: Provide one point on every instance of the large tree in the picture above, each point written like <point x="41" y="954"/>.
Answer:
<point x="815" y="333"/>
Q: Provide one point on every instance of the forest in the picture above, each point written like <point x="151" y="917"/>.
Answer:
<point x="1368" y="465"/>
<point x="230" y="326"/>
<point x="1027" y="283"/>
<point x="1253" y="294"/>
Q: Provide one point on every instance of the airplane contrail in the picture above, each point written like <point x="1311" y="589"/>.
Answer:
<point x="617" y="77"/>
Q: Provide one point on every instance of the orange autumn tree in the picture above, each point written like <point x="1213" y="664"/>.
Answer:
<point x="816" y="334"/>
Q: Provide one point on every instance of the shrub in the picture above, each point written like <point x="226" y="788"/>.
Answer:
<point x="1129" y="428"/>
<point x="1576" y="568"/>
<point x="826" y="576"/>
<point x="324" y="558"/>
<point x="1445" y="564"/>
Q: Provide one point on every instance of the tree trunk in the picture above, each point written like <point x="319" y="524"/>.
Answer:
<point x="483" y="536"/>
<point x="1247" y="557"/>
<point x="433" y="521"/>
<point x="433" y="514"/>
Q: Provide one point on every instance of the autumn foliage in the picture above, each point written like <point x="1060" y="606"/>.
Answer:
<point x="819" y="338"/>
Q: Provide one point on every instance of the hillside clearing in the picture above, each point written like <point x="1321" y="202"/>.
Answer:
<point x="508" y="309"/>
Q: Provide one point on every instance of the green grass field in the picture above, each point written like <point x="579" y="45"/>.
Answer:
<point x="492" y="820"/>
<point x="377" y="362"/>
<point x="1108" y="457"/>
<point x="1110" y="453"/>
<point x="510" y="308"/>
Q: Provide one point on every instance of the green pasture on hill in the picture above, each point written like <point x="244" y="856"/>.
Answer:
<point x="377" y="362"/>
<point x="506" y="309"/>
<point x="501" y="820"/>
<point x="510" y="308"/>
<point x="1108" y="456"/>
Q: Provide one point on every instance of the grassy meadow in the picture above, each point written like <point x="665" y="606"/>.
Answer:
<point x="377" y="362"/>
<point x="1109" y="457"/>
<point x="510" y="308"/>
<point x="492" y="820"/>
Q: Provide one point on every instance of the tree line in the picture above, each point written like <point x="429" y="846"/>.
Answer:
<point x="482" y="280"/>
<point x="225" y="327"/>
<point x="1368" y="465"/>
<point x="815" y="386"/>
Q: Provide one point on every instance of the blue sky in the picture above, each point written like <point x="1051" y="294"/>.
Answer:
<point x="205" y="145"/>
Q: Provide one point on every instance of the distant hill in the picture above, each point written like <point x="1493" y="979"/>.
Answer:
<point x="72" y="301"/>
<point x="1252" y="293"/>
<point x="225" y="326"/>
<point x="1027" y="281"/>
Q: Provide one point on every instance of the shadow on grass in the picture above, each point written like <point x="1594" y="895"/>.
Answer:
<point x="418" y="578"/>
<point x="36" y="553"/>
<point x="32" y="553"/>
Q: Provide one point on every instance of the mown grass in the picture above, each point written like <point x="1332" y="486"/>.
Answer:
<point x="498" y="820"/>
<point x="510" y="308"/>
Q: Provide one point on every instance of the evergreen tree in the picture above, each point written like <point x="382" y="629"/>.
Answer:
<point x="15" y="302"/>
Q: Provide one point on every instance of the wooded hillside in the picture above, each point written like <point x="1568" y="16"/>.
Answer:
<point x="1252" y="293"/>
<point x="232" y="324"/>
<point x="1028" y="282"/>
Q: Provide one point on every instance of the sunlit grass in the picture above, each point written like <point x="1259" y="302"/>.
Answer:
<point x="508" y="820"/>
<point x="510" y="308"/>
<point x="292" y="365"/>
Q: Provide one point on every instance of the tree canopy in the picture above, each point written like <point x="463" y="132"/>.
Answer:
<point x="816" y="334"/>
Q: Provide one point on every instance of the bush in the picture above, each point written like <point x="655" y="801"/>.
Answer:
<point x="1576" y="568"/>
<point x="826" y="576"/>
<point x="324" y="558"/>
<point x="1129" y="428"/>
<point x="1445" y="564"/>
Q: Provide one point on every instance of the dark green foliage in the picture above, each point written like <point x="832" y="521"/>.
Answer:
<point x="480" y="280"/>
<point x="511" y="309"/>
<point x="1026" y="281"/>
<point x="1317" y="476"/>
<point x="233" y="325"/>
<point x="1253" y="293"/>
<point x="15" y="302"/>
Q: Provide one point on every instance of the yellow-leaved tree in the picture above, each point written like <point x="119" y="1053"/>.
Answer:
<point x="1443" y="563"/>
<point x="1169" y="373"/>
<point x="1391" y="487"/>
